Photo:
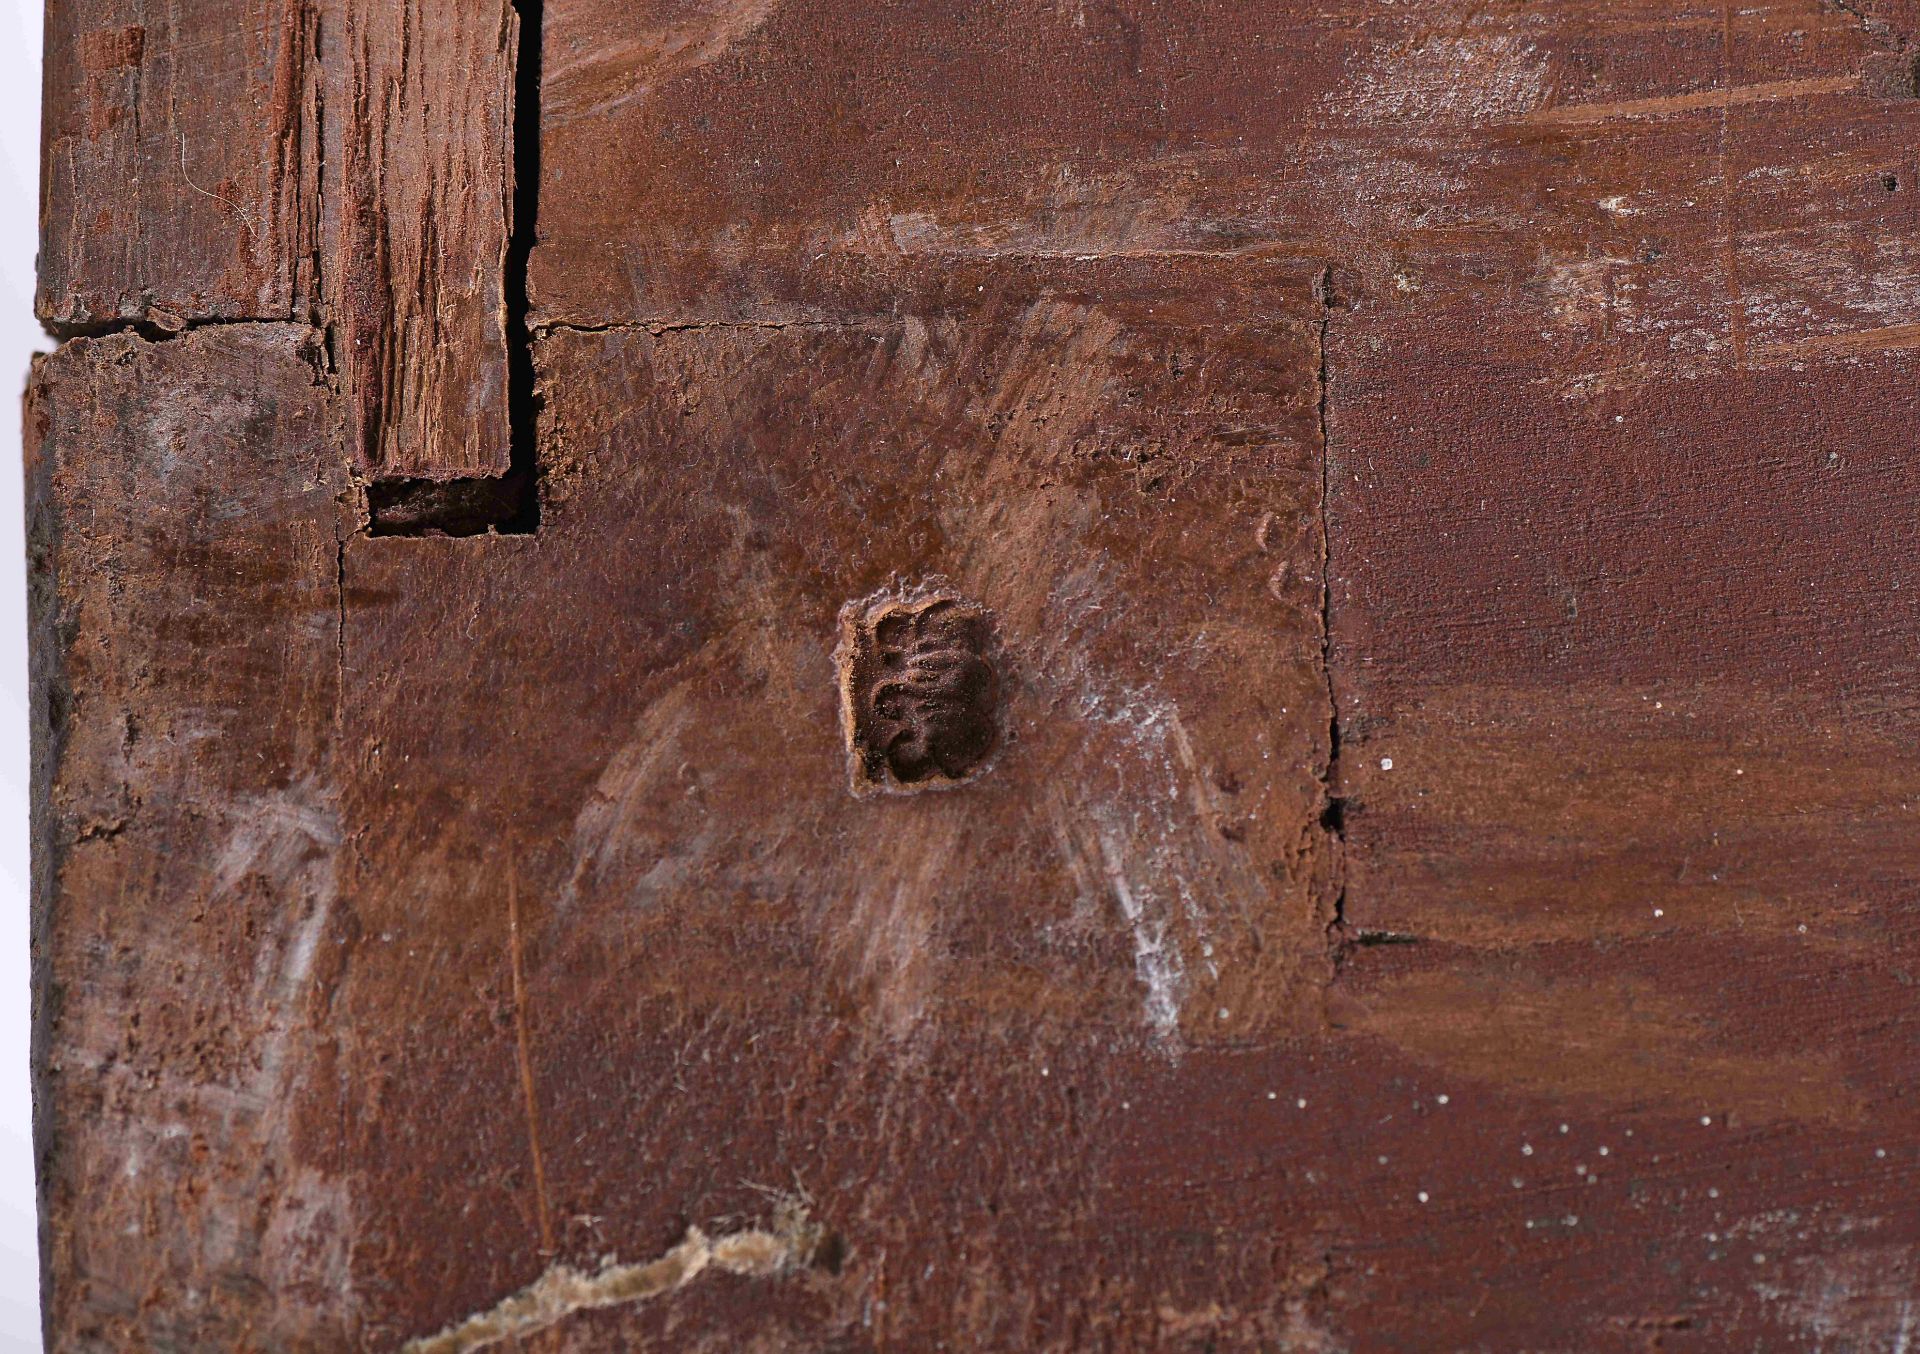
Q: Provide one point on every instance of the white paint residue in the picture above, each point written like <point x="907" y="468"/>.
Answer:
<point x="1143" y="829"/>
<point x="887" y="938"/>
<point x="269" y="1215"/>
<point x="608" y="829"/>
<point x="1154" y="961"/>
<point x="1467" y="78"/>
<point x="1866" y="1299"/>
<point x="272" y="837"/>
<point x="1818" y="282"/>
<point x="287" y="838"/>
<point x="596" y="78"/>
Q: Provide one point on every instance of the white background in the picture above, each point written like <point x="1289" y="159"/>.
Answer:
<point x="20" y="337"/>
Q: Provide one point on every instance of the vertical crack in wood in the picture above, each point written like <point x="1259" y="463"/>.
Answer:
<point x="340" y="628"/>
<point x="517" y="968"/>
<point x="1333" y="800"/>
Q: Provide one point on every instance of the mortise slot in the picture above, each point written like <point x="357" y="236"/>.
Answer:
<point x="503" y="506"/>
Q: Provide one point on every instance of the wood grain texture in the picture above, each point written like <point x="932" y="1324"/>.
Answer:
<point x="180" y="169"/>
<point x="346" y="162"/>
<point x="1140" y="871"/>
<point x="1617" y="470"/>
<point x="419" y="212"/>
<point x="1438" y="478"/>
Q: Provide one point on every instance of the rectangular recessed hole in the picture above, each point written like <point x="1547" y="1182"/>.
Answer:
<point x="504" y="506"/>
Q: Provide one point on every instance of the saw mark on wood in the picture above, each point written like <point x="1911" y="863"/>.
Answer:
<point x="1698" y="101"/>
<point x="524" y="1049"/>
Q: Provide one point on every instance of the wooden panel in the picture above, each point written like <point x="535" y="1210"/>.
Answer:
<point x="1429" y="487"/>
<point x="638" y="734"/>
<point x="687" y="171"/>
<point x="346" y="161"/>
<point x="185" y="533"/>
<point x="1641" y="659"/>
<point x="181" y="167"/>
<point x="1617" y="456"/>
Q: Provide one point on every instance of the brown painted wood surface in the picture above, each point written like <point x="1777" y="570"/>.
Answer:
<point x="1435" y="487"/>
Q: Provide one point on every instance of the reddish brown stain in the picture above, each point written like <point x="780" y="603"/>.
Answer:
<point x="113" y="49"/>
<point x="1439" y="476"/>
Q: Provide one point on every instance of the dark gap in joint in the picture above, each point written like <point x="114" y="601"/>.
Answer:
<point x="506" y="506"/>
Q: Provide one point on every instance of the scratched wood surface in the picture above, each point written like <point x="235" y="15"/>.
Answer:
<point x="782" y="675"/>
